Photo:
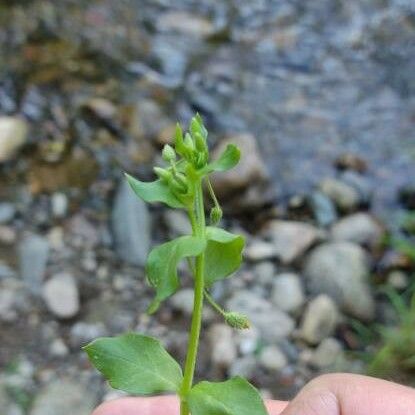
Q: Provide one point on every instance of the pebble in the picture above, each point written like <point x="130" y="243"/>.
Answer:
<point x="243" y="366"/>
<point x="323" y="208"/>
<point x="59" y="203"/>
<point x="360" y="228"/>
<point x="248" y="340"/>
<point x="345" y="196"/>
<point x="272" y="358"/>
<point x="64" y="397"/>
<point x="185" y="24"/>
<point x="61" y="295"/>
<point x="82" y="333"/>
<point x="250" y="170"/>
<point x="398" y="279"/>
<point x="272" y="323"/>
<point x="131" y="226"/>
<point x="182" y="301"/>
<point x="287" y="292"/>
<point x="33" y="253"/>
<point x="340" y="269"/>
<point x="258" y="250"/>
<point x="264" y="273"/>
<point x="58" y="348"/>
<point x="7" y="212"/>
<point x="13" y="135"/>
<point x="319" y="320"/>
<point x="327" y="352"/>
<point x="291" y="239"/>
<point x="222" y="345"/>
<point x="177" y="222"/>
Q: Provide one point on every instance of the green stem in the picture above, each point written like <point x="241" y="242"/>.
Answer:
<point x="198" y="225"/>
<point x="214" y="304"/>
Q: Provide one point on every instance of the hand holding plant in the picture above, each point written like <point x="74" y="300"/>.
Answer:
<point x="138" y="364"/>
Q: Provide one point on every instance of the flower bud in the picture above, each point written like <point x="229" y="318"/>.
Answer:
<point x="178" y="140"/>
<point x="215" y="215"/>
<point x="200" y="142"/>
<point x="237" y="320"/>
<point x="163" y="174"/>
<point x="168" y="153"/>
<point x="188" y="143"/>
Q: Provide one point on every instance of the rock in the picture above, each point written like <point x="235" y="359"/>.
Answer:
<point x="326" y="354"/>
<point x="131" y="226"/>
<point x="258" y="250"/>
<point x="343" y="195"/>
<point x="272" y="358"/>
<point x="7" y="212"/>
<point x="8" y="303"/>
<point x="177" y="222"/>
<point x="264" y="273"/>
<point x="13" y="135"/>
<point x="361" y="184"/>
<point x="319" y="320"/>
<point x="7" y="404"/>
<point x="185" y="23"/>
<point x="59" y="204"/>
<point x="291" y="239"/>
<point x="244" y="366"/>
<point x="33" y="254"/>
<point x="83" y="333"/>
<point x="340" y="269"/>
<point x="287" y="292"/>
<point x="61" y="295"/>
<point x="248" y="340"/>
<point x="250" y="170"/>
<point x="322" y="208"/>
<point x="272" y="323"/>
<point x="222" y="345"/>
<point x="58" y="348"/>
<point x="63" y="397"/>
<point x="350" y="161"/>
<point x="398" y="280"/>
<point x="360" y="228"/>
<point x="101" y="108"/>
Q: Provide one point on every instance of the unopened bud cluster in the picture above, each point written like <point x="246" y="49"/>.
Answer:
<point x="237" y="320"/>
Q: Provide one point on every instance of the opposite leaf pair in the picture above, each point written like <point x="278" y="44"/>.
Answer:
<point x="139" y="365"/>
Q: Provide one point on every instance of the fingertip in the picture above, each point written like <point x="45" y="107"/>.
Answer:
<point x="275" y="407"/>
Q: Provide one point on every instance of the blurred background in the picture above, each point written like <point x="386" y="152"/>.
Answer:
<point x="319" y="95"/>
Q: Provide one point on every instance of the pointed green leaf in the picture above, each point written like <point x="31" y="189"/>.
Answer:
<point x="135" y="363"/>
<point x="228" y="159"/>
<point x="156" y="191"/>
<point x="162" y="265"/>
<point x="233" y="397"/>
<point x="223" y="254"/>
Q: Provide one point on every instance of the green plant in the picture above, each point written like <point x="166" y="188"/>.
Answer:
<point x="138" y="364"/>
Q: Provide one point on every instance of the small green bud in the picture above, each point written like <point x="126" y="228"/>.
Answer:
<point x="178" y="139"/>
<point x="215" y="215"/>
<point x="237" y="320"/>
<point x="163" y="174"/>
<point x="203" y="130"/>
<point x="200" y="142"/>
<point x="168" y="153"/>
<point x="188" y="142"/>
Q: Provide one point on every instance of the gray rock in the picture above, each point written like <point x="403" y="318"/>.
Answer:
<point x="326" y="354"/>
<point x="185" y="23"/>
<point x="340" y="269"/>
<point x="360" y="228"/>
<point x="243" y="366"/>
<point x="82" y="333"/>
<point x="398" y="279"/>
<point x="323" y="208"/>
<point x="319" y="320"/>
<point x="7" y="212"/>
<point x="222" y="345"/>
<point x="258" y="250"/>
<point x="131" y="226"/>
<point x="345" y="196"/>
<point x="13" y="135"/>
<point x="248" y="340"/>
<point x="272" y="323"/>
<point x="264" y="273"/>
<point x="182" y="301"/>
<point x="64" y="397"/>
<point x="250" y="170"/>
<point x="291" y="239"/>
<point x="59" y="202"/>
<point x="33" y="256"/>
<point x="287" y="292"/>
<point x="272" y="358"/>
<point x="360" y="183"/>
<point x="61" y="295"/>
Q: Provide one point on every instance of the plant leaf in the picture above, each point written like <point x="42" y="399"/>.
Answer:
<point x="223" y="254"/>
<point x="228" y="159"/>
<point x="156" y="191"/>
<point x="135" y="363"/>
<point x="233" y="397"/>
<point x="162" y="264"/>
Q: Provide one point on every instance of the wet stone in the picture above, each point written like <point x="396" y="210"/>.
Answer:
<point x="131" y="226"/>
<point x="33" y="256"/>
